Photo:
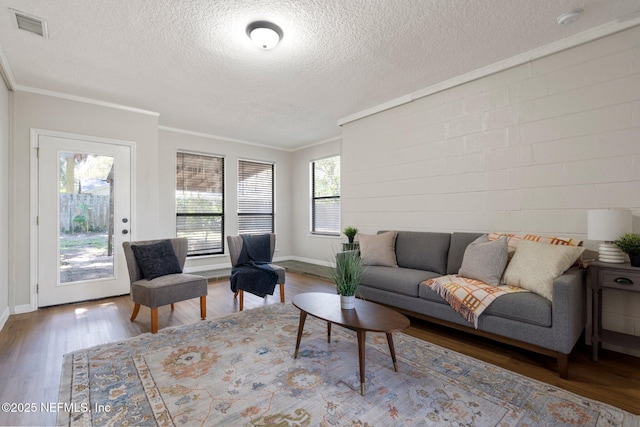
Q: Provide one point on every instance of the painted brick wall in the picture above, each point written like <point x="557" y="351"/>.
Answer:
<point x="531" y="149"/>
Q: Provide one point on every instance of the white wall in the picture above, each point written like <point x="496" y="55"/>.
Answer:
<point x="170" y="141"/>
<point x="5" y="103"/>
<point x="527" y="149"/>
<point x="306" y="246"/>
<point x="31" y="110"/>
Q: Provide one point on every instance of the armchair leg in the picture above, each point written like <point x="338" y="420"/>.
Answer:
<point x="281" y="292"/>
<point x="154" y="320"/>
<point x="136" y="309"/>
<point x="172" y="307"/>
<point x="241" y="300"/>
<point x="203" y="307"/>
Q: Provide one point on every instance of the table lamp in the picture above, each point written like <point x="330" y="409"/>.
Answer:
<point x="608" y="225"/>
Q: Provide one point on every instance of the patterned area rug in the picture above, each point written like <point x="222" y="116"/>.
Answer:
<point x="239" y="371"/>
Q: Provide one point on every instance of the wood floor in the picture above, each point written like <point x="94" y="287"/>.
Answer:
<point x="32" y="346"/>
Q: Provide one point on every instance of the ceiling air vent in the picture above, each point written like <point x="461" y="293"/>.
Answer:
<point x="31" y="23"/>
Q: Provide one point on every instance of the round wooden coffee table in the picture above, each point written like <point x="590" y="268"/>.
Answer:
<point x="366" y="316"/>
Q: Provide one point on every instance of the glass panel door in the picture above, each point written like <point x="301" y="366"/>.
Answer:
<point x="86" y="216"/>
<point x="84" y="198"/>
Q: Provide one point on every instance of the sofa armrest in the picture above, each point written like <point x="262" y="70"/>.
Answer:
<point x="568" y="309"/>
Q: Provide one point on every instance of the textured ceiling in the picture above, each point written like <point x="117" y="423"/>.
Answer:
<point x="191" y="61"/>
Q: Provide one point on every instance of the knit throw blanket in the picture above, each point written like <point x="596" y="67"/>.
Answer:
<point x="253" y="273"/>
<point x="469" y="297"/>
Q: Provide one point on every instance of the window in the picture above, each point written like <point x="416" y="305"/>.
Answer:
<point x="255" y="197"/>
<point x="200" y="202"/>
<point x="325" y="196"/>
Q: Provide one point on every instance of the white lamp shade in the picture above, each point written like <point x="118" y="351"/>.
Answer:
<point x="608" y="224"/>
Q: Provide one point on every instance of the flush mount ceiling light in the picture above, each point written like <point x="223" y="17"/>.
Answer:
<point x="569" y="17"/>
<point x="264" y="34"/>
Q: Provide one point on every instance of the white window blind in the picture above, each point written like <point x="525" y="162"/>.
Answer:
<point x="255" y="197"/>
<point x="325" y="197"/>
<point x="200" y="202"/>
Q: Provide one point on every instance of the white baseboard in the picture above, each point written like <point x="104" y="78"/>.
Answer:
<point x="206" y="268"/>
<point x="25" y="308"/>
<point x="307" y="260"/>
<point x="4" y="317"/>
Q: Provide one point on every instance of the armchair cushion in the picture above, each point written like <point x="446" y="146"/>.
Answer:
<point x="157" y="259"/>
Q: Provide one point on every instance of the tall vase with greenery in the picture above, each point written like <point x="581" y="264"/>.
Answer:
<point x="630" y="244"/>
<point x="347" y="275"/>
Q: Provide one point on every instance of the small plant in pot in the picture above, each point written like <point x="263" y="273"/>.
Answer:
<point x="350" y="232"/>
<point x="630" y="244"/>
<point x="349" y="268"/>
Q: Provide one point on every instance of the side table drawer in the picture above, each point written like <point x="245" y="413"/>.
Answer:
<point x="620" y="280"/>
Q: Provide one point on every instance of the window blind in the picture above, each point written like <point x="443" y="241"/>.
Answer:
<point x="255" y="197"/>
<point x="325" y="197"/>
<point x="200" y="202"/>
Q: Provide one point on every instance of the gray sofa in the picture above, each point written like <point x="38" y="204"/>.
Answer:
<point x="523" y="319"/>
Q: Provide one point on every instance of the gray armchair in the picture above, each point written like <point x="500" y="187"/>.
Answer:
<point x="167" y="289"/>
<point x="235" y="247"/>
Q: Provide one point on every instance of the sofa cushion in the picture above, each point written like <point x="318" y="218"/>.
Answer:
<point x="405" y="281"/>
<point x="423" y="251"/>
<point x="378" y="249"/>
<point x="425" y="292"/>
<point x="459" y="243"/>
<point x="484" y="260"/>
<point x="536" y="265"/>
<point x="522" y="307"/>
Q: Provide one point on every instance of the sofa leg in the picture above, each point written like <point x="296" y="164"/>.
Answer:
<point x="563" y="365"/>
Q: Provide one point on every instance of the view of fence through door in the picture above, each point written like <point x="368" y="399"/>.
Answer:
<point x="86" y="216"/>
<point x="83" y="198"/>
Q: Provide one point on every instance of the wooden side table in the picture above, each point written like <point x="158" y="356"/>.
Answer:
<point x="603" y="275"/>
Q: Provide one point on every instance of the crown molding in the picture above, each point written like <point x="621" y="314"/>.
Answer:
<point x="6" y="72"/>
<point x="92" y="101"/>
<point x="578" y="39"/>
<point x="313" y="144"/>
<point x="218" y="137"/>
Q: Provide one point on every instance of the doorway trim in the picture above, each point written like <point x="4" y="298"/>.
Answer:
<point x="34" y="197"/>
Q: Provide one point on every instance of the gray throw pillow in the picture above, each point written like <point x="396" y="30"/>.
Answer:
<point x="378" y="249"/>
<point x="156" y="259"/>
<point x="485" y="260"/>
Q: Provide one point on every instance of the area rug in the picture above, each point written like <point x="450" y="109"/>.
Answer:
<point x="239" y="371"/>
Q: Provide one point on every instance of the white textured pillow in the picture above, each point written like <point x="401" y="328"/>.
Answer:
<point x="485" y="260"/>
<point x="536" y="265"/>
<point x="378" y="249"/>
